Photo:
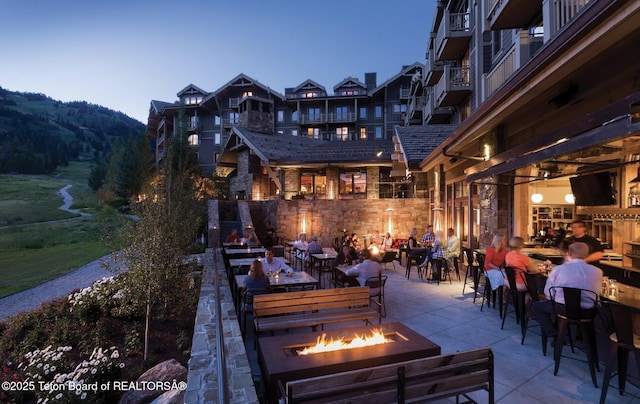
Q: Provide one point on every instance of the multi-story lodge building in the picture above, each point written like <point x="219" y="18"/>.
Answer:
<point x="538" y="92"/>
<point x="305" y="142"/>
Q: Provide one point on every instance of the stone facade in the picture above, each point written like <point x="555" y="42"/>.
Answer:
<point x="242" y="183"/>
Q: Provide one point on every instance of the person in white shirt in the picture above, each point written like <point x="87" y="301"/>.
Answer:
<point x="366" y="268"/>
<point x="453" y="247"/>
<point x="387" y="242"/>
<point x="574" y="273"/>
<point x="273" y="264"/>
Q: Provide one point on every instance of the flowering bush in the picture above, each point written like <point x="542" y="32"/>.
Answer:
<point x="11" y="395"/>
<point x="50" y="367"/>
<point x="105" y="296"/>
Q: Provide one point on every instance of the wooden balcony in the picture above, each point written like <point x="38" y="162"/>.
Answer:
<point x="453" y="88"/>
<point x="433" y="114"/>
<point x="414" y="110"/>
<point x="327" y="118"/>
<point x="452" y="38"/>
<point x="507" y="14"/>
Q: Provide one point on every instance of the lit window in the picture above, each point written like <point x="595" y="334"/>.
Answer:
<point x="378" y="111"/>
<point x="313" y="133"/>
<point x="193" y="140"/>
<point x="349" y="92"/>
<point x="353" y="182"/>
<point x="310" y="94"/>
<point x="216" y="156"/>
<point x="192" y="100"/>
<point x="363" y="133"/>
<point x="363" y="112"/>
<point x="378" y="132"/>
<point x="216" y="138"/>
<point x="313" y="184"/>
<point x="342" y="133"/>
<point x="247" y="94"/>
<point x="280" y="116"/>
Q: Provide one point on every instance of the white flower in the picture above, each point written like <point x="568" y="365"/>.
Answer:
<point x="58" y="396"/>
<point x="121" y="365"/>
<point x="93" y="371"/>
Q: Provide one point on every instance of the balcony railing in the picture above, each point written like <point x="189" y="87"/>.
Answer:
<point x="566" y="10"/>
<point x="452" y="36"/>
<point x="501" y="72"/>
<point x="327" y="118"/>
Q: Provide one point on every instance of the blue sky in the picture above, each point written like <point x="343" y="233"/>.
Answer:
<point x="123" y="53"/>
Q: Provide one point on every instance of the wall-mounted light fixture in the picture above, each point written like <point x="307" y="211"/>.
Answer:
<point x="569" y="198"/>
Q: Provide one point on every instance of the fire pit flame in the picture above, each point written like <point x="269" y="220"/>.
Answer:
<point x="376" y="337"/>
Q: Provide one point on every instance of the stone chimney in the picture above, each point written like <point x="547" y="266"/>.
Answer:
<point x="256" y="114"/>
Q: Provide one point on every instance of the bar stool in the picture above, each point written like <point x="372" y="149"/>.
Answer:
<point x="575" y="315"/>
<point x="516" y="298"/>
<point x="472" y="274"/>
<point x="623" y="341"/>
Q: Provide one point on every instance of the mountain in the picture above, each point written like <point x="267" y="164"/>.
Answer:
<point x="38" y="133"/>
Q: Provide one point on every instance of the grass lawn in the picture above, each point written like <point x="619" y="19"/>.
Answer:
<point x="32" y="252"/>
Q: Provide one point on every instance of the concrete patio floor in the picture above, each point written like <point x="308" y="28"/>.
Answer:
<point x="444" y="315"/>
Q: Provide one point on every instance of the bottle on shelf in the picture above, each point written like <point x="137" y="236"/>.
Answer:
<point x="634" y="197"/>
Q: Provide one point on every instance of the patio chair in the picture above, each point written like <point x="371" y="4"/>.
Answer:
<point x="376" y="292"/>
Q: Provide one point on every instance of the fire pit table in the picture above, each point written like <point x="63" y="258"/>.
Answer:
<point x="280" y="357"/>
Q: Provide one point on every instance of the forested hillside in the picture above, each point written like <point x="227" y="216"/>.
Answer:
<point x="37" y="133"/>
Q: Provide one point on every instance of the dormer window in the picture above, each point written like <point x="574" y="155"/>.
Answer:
<point x="247" y="94"/>
<point x="349" y="92"/>
<point x="192" y="100"/>
<point x="310" y="94"/>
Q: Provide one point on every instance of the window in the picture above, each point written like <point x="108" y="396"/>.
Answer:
<point x="399" y="108"/>
<point x="216" y="138"/>
<point x="313" y="133"/>
<point x="294" y="116"/>
<point x="311" y="183"/>
<point x="342" y="133"/>
<point x="247" y="94"/>
<point x="294" y="132"/>
<point x="314" y="114"/>
<point x="310" y="94"/>
<point x="233" y="117"/>
<point x="216" y="120"/>
<point x="193" y="100"/>
<point x="363" y="133"/>
<point x="280" y="116"/>
<point x="216" y="156"/>
<point x="193" y="122"/>
<point x="342" y="113"/>
<point x="378" y="132"/>
<point x="363" y="112"/>
<point x="349" y="92"/>
<point x="378" y="112"/>
<point x="193" y="140"/>
<point x="280" y="132"/>
<point x="353" y="182"/>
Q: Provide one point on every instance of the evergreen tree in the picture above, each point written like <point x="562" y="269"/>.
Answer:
<point x="129" y="166"/>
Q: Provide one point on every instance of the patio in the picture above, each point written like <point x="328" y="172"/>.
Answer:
<point x="442" y="314"/>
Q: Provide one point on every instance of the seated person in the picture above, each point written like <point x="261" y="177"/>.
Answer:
<point x="366" y="269"/>
<point x="252" y="240"/>
<point x="257" y="282"/>
<point x="274" y="265"/>
<point x="387" y="242"/>
<point x="233" y="237"/>
<point x="494" y="260"/>
<point x="377" y="239"/>
<point x="272" y="236"/>
<point x="314" y="247"/>
<point x="346" y="256"/>
<point x="520" y="262"/>
<point x="413" y="251"/>
<point x="453" y="247"/>
<point x="355" y="242"/>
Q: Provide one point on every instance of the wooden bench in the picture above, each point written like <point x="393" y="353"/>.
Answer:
<point x="420" y="380"/>
<point x="280" y="311"/>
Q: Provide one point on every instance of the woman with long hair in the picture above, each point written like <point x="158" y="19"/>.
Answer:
<point x="495" y="258"/>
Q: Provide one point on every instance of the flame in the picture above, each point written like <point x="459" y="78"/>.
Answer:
<point x="323" y="345"/>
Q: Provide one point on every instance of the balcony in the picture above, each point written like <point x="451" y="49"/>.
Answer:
<point x="414" y="110"/>
<point x="453" y="88"/>
<point x="507" y="14"/>
<point x="405" y="93"/>
<point x="193" y="124"/>
<point x="327" y="118"/>
<point x="452" y="38"/>
<point x="228" y="123"/>
<point x="433" y="114"/>
<point x="234" y="102"/>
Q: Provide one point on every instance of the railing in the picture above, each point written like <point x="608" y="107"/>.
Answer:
<point x="234" y="102"/>
<point x="501" y="72"/>
<point x="223" y="386"/>
<point x="452" y="23"/>
<point x="404" y="93"/>
<point x="566" y="10"/>
<point x="327" y="118"/>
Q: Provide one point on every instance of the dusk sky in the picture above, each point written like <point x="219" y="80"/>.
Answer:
<point x="123" y="53"/>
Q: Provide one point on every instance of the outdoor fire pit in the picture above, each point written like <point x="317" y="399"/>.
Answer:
<point x="281" y="358"/>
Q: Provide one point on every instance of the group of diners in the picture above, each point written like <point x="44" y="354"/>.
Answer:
<point x="433" y="246"/>
<point x="581" y="251"/>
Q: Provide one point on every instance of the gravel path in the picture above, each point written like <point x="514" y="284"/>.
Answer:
<point x="61" y="287"/>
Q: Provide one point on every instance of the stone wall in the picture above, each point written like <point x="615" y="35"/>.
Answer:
<point x="328" y="218"/>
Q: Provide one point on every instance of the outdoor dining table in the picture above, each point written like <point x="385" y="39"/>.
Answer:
<point x="256" y="251"/>
<point x="342" y="270"/>
<point x="281" y="281"/>
<point x="324" y="260"/>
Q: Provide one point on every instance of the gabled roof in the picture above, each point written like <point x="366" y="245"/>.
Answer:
<point x="242" y="80"/>
<point x="309" y="84"/>
<point x="287" y="150"/>
<point x="349" y="82"/>
<point x="417" y="142"/>
<point x="409" y="70"/>
<point x="191" y="89"/>
<point x="159" y="106"/>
